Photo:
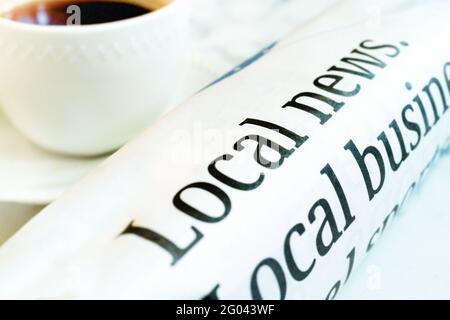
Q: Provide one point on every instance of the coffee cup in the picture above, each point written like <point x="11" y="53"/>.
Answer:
<point x="87" y="89"/>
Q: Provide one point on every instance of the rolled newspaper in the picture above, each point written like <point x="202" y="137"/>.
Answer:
<point x="271" y="184"/>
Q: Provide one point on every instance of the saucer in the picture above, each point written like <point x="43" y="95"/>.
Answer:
<point x="29" y="174"/>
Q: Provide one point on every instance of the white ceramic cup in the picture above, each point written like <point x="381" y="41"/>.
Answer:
<point x="86" y="90"/>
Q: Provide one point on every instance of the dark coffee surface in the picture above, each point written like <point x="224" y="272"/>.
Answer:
<point x="61" y="12"/>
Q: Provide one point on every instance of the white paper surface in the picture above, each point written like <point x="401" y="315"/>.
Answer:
<point x="90" y="258"/>
<point x="404" y="265"/>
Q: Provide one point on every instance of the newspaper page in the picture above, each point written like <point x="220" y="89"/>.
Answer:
<point x="273" y="183"/>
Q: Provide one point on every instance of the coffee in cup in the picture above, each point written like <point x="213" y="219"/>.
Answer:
<point x="78" y="12"/>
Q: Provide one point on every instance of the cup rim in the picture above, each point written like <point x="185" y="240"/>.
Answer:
<point x="60" y="29"/>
